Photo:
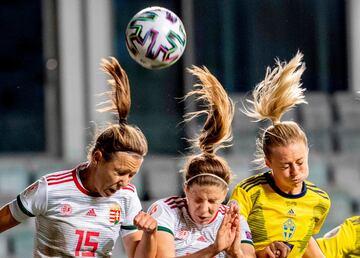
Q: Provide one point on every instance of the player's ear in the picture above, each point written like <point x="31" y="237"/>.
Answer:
<point x="267" y="162"/>
<point x="185" y="188"/>
<point x="96" y="156"/>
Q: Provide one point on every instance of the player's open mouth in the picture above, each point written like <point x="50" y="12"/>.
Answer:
<point x="112" y="191"/>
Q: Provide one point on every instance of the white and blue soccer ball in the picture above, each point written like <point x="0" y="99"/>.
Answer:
<point x="155" y="38"/>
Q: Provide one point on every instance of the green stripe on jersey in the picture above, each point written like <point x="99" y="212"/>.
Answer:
<point x="128" y="227"/>
<point x="161" y="228"/>
<point x="247" y="242"/>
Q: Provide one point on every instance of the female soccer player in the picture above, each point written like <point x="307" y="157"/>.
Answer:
<point x="199" y="225"/>
<point x="342" y="241"/>
<point x="81" y="212"/>
<point x="282" y="209"/>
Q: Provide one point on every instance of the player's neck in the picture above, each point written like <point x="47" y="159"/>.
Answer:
<point x="85" y="175"/>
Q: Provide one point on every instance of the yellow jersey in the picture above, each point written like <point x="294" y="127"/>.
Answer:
<point x="345" y="242"/>
<point x="276" y="216"/>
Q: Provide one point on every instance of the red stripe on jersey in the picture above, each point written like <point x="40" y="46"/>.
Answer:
<point x="81" y="188"/>
<point x="129" y="187"/>
<point x="172" y="198"/>
<point x="222" y="209"/>
<point x="60" y="175"/>
<point x="59" y="178"/>
<point x="214" y="217"/>
<point x="176" y="202"/>
<point x="60" y="182"/>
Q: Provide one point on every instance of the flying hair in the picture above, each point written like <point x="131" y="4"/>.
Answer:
<point x="216" y="131"/>
<point x="278" y="92"/>
<point x="118" y="137"/>
<point x="207" y="168"/>
<point x="120" y="101"/>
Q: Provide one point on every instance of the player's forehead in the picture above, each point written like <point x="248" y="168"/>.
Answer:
<point x="206" y="192"/>
<point x="126" y="161"/>
<point x="290" y="152"/>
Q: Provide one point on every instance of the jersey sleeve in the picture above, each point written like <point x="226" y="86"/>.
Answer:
<point x="333" y="244"/>
<point x="164" y="216"/>
<point x="133" y="208"/>
<point x="349" y="232"/>
<point x="31" y="202"/>
<point x="325" y="203"/>
<point x="242" y="199"/>
<point x="246" y="236"/>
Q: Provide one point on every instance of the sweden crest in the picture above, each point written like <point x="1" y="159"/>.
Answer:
<point x="288" y="229"/>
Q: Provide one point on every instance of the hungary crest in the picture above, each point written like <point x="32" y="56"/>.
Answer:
<point x="115" y="214"/>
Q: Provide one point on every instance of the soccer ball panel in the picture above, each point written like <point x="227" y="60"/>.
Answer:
<point x="155" y="38"/>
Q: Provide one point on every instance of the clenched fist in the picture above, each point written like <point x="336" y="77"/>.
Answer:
<point x="143" y="221"/>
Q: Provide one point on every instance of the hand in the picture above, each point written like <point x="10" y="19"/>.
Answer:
<point x="234" y="205"/>
<point x="274" y="250"/>
<point x="227" y="231"/>
<point x="235" y="249"/>
<point x="143" y="221"/>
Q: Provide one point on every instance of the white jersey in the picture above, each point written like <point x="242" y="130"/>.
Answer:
<point x="173" y="217"/>
<point x="70" y="222"/>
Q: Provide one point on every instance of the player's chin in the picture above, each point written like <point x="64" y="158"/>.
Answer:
<point x="202" y="220"/>
<point x="108" y="192"/>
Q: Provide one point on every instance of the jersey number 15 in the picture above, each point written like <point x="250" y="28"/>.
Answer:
<point x="87" y="243"/>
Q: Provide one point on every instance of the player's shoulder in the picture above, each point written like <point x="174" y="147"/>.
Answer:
<point x="59" y="177"/>
<point x="172" y="203"/>
<point x="317" y="191"/>
<point x="172" y="206"/>
<point x="127" y="192"/>
<point x="253" y="182"/>
<point x="355" y="220"/>
<point x="129" y="189"/>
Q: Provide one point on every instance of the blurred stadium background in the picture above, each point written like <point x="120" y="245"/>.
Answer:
<point x="50" y="80"/>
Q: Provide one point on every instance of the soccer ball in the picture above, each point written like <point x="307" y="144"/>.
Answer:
<point x="155" y="38"/>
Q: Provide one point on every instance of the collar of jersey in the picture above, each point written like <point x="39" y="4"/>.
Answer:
<point x="78" y="182"/>
<point x="278" y="190"/>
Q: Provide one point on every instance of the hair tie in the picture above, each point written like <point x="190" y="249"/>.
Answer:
<point x="122" y="120"/>
<point x="276" y="122"/>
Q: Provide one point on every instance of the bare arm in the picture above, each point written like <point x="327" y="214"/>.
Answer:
<point x="274" y="250"/>
<point x="313" y="250"/>
<point x="130" y="243"/>
<point x="142" y="243"/>
<point x="147" y="246"/>
<point x="6" y="219"/>
<point x="248" y="251"/>
<point x="237" y="249"/>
